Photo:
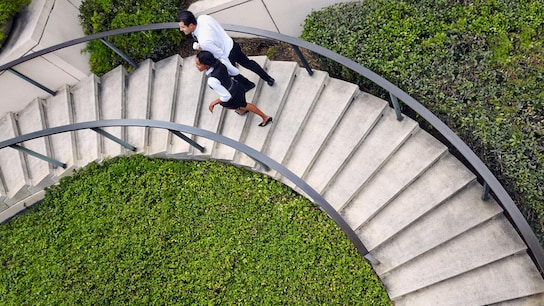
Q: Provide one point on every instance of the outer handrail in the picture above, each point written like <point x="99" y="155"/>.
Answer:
<point x="172" y="126"/>
<point x="502" y="196"/>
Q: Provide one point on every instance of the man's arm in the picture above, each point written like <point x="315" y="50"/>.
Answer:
<point x="217" y="52"/>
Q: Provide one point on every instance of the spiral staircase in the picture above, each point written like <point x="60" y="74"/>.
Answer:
<point x="418" y="210"/>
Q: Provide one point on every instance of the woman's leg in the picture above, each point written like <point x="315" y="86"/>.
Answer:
<point x="254" y="109"/>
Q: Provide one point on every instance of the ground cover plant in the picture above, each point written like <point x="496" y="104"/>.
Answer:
<point x="477" y="65"/>
<point x="158" y="232"/>
<point x="8" y="10"/>
<point x="103" y="15"/>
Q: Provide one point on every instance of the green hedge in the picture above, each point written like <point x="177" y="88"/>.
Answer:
<point x="135" y="231"/>
<point x="103" y="15"/>
<point x="8" y="9"/>
<point x="476" y="64"/>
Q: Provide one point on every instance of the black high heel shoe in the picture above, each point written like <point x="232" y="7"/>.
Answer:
<point x="266" y="122"/>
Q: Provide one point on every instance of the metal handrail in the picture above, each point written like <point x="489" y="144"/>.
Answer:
<point x="479" y="167"/>
<point x="180" y="128"/>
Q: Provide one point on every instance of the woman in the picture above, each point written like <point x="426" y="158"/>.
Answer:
<point x="231" y="94"/>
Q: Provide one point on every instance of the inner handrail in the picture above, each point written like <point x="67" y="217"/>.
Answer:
<point x="249" y="151"/>
<point x="479" y="167"/>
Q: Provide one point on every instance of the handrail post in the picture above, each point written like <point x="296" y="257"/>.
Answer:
<point x="396" y="105"/>
<point x="485" y="192"/>
<point x="119" y="52"/>
<point x="115" y="139"/>
<point x="303" y="59"/>
<point x="188" y="140"/>
<point x="48" y="159"/>
<point x="31" y="81"/>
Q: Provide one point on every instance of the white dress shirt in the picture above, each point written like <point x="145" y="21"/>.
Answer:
<point x="212" y="37"/>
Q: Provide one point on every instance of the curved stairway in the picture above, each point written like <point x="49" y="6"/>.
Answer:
<point x="415" y="207"/>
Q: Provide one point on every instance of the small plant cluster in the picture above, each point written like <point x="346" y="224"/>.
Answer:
<point x="8" y="9"/>
<point x="103" y="15"/>
<point x="476" y="64"/>
<point x="160" y="232"/>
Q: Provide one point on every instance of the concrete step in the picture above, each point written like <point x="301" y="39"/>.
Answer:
<point x="138" y="98"/>
<point x="32" y="119"/>
<point x="112" y="105"/>
<point x="191" y="84"/>
<point x="233" y="125"/>
<point x="209" y="121"/>
<point x="218" y="120"/>
<point x="85" y="108"/>
<point x="393" y="177"/>
<point x="250" y="75"/>
<point x="13" y="164"/>
<point x="58" y="112"/>
<point x="163" y="102"/>
<point x="270" y="101"/>
<point x="302" y="98"/>
<point x="329" y="110"/>
<point x="486" y="243"/>
<point x="502" y="280"/>
<point x="531" y="300"/>
<point x="387" y="136"/>
<point x="451" y="218"/>
<point x="358" y="121"/>
<point x="443" y="180"/>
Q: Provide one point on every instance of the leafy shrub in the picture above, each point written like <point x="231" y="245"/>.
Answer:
<point x="8" y="9"/>
<point x="157" y="232"/>
<point x="477" y="65"/>
<point x="103" y="15"/>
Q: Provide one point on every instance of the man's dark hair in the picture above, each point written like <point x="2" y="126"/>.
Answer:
<point x="186" y="17"/>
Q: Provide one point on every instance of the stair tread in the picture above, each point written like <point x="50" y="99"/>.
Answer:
<point x="163" y="101"/>
<point x="11" y="163"/>
<point x="491" y="241"/>
<point x="232" y="125"/>
<point x="85" y="108"/>
<point x="31" y="119"/>
<point x="440" y="181"/>
<point x="490" y="284"/>
<point x="188" y="98"/>
<point x="215" y="122"/>
<point x="458" y="214"/>
<point x="384" y="139"/>
<point x="532" y="300"/>
<point x="58" y="111"/>
<point x="302" y="96"/>
<point x="270" y="101"/>
<point x="361" y="116"/>
<point x="395" y="175"/>
<point x="112" y="106"/>
<point x="137" y="100"/>
<point x="209" y="121"/>
<point x="319" y="126"/>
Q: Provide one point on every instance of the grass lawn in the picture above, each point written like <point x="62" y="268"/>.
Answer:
<point x="156" y="232"/>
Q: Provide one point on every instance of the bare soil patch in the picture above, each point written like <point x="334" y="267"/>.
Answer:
<point x="274" y="50"/>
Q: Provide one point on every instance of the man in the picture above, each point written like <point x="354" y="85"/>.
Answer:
<point x="211" y="37"/>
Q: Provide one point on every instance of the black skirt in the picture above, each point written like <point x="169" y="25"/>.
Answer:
<point x="238" y="96"/>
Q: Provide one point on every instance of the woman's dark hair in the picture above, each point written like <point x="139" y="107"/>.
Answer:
<point x="187" y="17"/>
<point x="207" y="58"/>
